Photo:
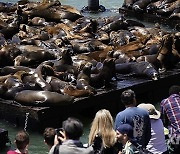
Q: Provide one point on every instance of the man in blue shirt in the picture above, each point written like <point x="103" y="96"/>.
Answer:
<point x="138" y="118"/>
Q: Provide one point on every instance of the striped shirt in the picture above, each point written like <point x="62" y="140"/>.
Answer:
<point x="171" y="107"/>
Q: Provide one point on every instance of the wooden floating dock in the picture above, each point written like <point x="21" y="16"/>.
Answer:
<point x="40" y="117"/>
<point x="152" y="18"/>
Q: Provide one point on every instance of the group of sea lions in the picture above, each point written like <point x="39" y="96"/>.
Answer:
<point x="50" y="53"/>
<point x="165" y="8"/>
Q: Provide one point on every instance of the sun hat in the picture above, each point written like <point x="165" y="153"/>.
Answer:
<point x="126" y="129"/>
<point x="153" y="113"/>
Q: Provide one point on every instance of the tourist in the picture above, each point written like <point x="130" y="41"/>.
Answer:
<point x="102" y="134"/>
<point x="138" y="118"/>
<point x="70" y="138"/>
<point x="49" y="136"/>
<point x="21" y="142"/>
<point x="170" y="110"/>
<point x="157" y="143"/>
<point x="125" y="136"/>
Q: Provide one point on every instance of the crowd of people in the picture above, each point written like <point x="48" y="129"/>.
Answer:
<point x="138" y="129"/>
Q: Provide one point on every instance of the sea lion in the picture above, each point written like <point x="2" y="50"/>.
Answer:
<point x="3" y="90"/>
<point x="115" y="26"/>
<point x="57" y="85"/>
<point x="152" y="59"/>
<point x="4" y="77"/>
<point x="42" y="98"/>
<point x="175" y="14"/>
<point x="138" y="68"/>
<point x="140" y="5"/>
<point x="13" y="69"/>
<point x="33" y="57"/>
<point x="105" y="75"/>
<point x="14" y="84"/>
<point x="128" y="4"/>
<point x="168" y="8"/>
<point x="121" y="37"/>
<point x="73" y="91"/>
<point x="83" y="79"/>
<point x="165" y="55"/>
<point x="7" y="54"/>
<point x="14" y="80"/>
<point x="39" y="76"/>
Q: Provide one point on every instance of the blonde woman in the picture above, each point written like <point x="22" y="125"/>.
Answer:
<point x="102" y="134"/>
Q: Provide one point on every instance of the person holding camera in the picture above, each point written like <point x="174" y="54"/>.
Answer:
<point x="68" y="139"/>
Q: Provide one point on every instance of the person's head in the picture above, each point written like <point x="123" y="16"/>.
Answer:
<point x="174" y="89"/>
<point x="103" y="125"/>
<point x="124" y="133"/>
<point x="128" y="97"/>
<point x="153" y="113"/>
<point x="73" y="128"/>
<point x="49" y="134"/>
<point x="22" y="140"/>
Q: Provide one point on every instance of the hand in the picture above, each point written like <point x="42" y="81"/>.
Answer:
<point x="62" y="136"/>
<point x="120" y="152"/>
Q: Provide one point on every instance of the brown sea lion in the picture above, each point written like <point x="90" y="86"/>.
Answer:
<point x="39" y="77"/>
<point x="165" y="55"/>
<point x="105" y="75"/>
<point x="13" y="69"/>
<point x="3" y="78"/>
<point x="15" y="80"/>
<point x="33" y="57"/>
<point x="83" y="79"/>
<point x="73" y="91"/>
<point x="42" y="98"/>
<point x="57" y="85"/>
<point x="7" y="54"/>
<point x="14" y="84"/>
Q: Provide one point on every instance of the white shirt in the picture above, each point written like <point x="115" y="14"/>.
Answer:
<point x="157" y="143"/>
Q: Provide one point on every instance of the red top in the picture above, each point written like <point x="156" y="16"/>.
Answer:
<point x="12" y="152"/>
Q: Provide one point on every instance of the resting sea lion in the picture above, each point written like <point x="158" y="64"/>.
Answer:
<point x="73" y="91"/>
<point x="140" y="5"/>
<point x="138" y="68"/>
<point x="13" y="69"/>
<point x="42" y="98"/>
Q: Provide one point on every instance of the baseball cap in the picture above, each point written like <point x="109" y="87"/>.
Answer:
<point x="153" y="113"/>
<point x="126" y="129"/>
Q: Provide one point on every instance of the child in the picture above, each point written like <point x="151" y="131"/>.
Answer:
<point x="21" y="142"/>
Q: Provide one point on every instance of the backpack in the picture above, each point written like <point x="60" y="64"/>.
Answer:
<point x="143" y="150"/>
<point x="56" y="149"/>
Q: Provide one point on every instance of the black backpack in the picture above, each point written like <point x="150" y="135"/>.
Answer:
<point x="142" y="150"/>
<point x="56" y="149"/>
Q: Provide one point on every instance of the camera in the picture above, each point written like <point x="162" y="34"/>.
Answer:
<point x="58" y="131"/>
